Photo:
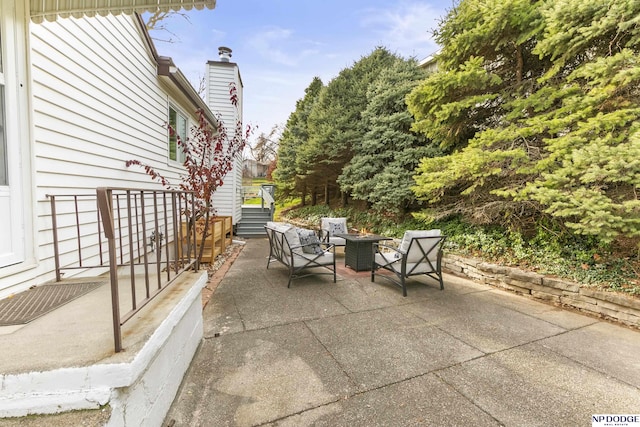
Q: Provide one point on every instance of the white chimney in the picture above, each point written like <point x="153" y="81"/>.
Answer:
<point x="225" y="54"/>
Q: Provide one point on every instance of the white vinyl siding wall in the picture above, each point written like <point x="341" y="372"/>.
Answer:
<point x="97" y="102"/>
<point x="228" y="198"/>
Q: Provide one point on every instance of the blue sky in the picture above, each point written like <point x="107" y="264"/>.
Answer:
<point x="280" y="45"/>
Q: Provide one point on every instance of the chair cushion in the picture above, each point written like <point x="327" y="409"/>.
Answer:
<point x="410" y="234"/>
<point x="337" y="241"/>
<point x="292" y="236"/>
<point x="276" y="225"/>
<point x="309" y="241"/>
<point x="279" y="226"/>
<point x="387" y="258"/>
<point x="304" y="260"/>
<point x="422" y="245"/>
<point x="412" y="267"/>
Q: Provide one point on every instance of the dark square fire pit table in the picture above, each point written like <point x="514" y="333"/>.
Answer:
<point x="358" y="250"/>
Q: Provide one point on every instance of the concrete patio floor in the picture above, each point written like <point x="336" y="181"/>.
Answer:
<point x="357" y="353"/>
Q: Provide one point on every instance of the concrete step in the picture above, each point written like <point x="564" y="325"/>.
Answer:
<point x="256" y="217"/>
<point x="252" y="233"/>
<point x="253" y="221"/>
<point x="255" y="213"/>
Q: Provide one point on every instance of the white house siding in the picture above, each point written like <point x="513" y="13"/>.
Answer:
<point x="227" y="198"/>
<point x="97" y="102"/>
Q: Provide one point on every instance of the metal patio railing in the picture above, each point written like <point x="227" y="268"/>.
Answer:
<point x="134" y="234"/>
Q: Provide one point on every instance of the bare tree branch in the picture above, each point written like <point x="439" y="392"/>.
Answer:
<point x="265" y="147"/>
<point x="158" y="20"/>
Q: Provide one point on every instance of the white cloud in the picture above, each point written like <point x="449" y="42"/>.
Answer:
<point x="406" y="26"/>
<point x="217" y="35"/>
<point x="269" y="42"/>
<point x="278" y="45"/>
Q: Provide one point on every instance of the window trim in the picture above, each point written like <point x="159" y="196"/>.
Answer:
<point x="179" y="155"/>
<point x="18" y="134"/>
<point x="4" y="163"/>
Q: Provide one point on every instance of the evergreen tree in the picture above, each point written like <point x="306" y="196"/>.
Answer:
<point x="294" y="137"/>
<point x="486" y="57"/>
<point x="381" y="170"/>
<point x="589" y="175"/>
<point x="560" y="139"/>
<point x="335" y="121"/>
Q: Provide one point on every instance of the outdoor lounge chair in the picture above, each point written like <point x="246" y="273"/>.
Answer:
<point x="420" y="252"/>
<point x="329" y="227"/>
<point x="286" y="246"/>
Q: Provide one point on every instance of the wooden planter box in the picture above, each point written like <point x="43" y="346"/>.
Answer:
<point x="214" y="244"/>
<point x="227" y="228"/>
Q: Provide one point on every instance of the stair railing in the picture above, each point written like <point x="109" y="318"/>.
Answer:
<point x="267" y="192"/>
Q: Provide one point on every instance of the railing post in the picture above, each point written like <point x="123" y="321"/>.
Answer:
<point x="268" y="193"/>
<point x="105" y="205"/>
<point x="78" y="238"/>
<point x="194" y="231"/>
<point x="143" y="214"/>
<point x="132" y="264"/>
<point x="156" y="230"/>
<point x="54" y="223"/>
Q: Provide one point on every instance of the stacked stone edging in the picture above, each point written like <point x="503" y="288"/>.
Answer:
<point x="608" y="305"/>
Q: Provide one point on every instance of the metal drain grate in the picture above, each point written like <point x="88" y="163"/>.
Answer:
<point x="28" y="305"/>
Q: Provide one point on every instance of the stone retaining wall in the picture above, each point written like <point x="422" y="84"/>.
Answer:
<point x="607" y="305"/>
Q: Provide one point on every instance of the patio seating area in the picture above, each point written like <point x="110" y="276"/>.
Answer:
<point x="357" y="353"/>
<point x="303" y="251"/>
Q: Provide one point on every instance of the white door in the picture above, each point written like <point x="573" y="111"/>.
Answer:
<point x="11" y="215"/>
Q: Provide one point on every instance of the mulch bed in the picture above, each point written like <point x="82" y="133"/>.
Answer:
<point x="218" y="269"/>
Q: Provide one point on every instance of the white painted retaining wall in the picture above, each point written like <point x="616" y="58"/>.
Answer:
<point x="139" y="392"/>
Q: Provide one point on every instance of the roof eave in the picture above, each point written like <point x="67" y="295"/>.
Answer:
<point x="166" y="68"/>
<point x="46" y="10"/>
